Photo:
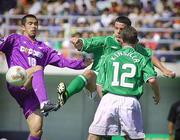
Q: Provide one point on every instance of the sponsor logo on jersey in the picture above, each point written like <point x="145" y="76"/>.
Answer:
<point x="30" y="51"/>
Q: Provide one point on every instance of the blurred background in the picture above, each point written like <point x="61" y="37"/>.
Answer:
<point x="158" y="24"/>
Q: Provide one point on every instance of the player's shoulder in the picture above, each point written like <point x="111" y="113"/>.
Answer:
<point x="98" y="37"/>
<point x="111" y="37"/>
<point x="143" y="50"/>
<point x="141" y="57"/>
<point x="41" y="43"/>
<point x="13" y="35"/>
<point x="141" y="45"/>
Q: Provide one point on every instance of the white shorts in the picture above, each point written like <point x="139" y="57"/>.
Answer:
<point x="118" y="115"/>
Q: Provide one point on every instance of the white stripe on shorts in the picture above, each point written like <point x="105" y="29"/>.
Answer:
<point x="118" y="115"/>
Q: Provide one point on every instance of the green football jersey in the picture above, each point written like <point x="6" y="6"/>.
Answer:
<point x="140" y="48"/>
<point x="101" y="46"/>
<point x="125" y="71"/>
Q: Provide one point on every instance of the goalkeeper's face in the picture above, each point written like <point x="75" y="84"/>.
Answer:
<point x="118" y="27"/>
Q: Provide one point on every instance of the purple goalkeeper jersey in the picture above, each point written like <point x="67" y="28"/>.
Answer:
<point x="22" y="51"/>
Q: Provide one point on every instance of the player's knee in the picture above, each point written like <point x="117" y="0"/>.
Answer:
<point x="36" y="68"/>
<point x="89" y="74"/>
<point x="93" y="137"/>
<point x="152" y="80"/>
<point x="37" y="132"/>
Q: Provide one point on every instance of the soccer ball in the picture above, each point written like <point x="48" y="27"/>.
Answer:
<point x="16" y="76"/>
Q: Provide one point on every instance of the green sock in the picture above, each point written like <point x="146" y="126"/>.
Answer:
<point x="76" y="85"/>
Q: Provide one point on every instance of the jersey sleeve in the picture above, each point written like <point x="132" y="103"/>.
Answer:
<point x="6" y="43"/>
<point x="147" y="52"/>
<point x="101" y="75"/>
<point x="92" y="44"/>
<point x="149" y="71"/>
<point x="55" y="59"/>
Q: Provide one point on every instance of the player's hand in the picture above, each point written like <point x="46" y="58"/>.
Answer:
<point x="156" y="99"/>
<point x="169" y="74"/>
<point x="88" y="58"/>
<point x="88" y="61"/>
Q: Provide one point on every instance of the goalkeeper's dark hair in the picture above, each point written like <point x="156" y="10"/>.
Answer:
<point x="23" y="20"/>
<point x="129" y="35"/>
<point x="123" y="19"/>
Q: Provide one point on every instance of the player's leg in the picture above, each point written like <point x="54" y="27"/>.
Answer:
<point x="91" y="86"/>
<point x="30" y="71"/>
<point x="130" y="118"/>
<point x="93" y="137"/>
<point x="29" y="103"/>
<point x="74" y="87"/>
<point x="35" y="122"/>
<point x="37" y="82"/>
<point x="96" y="137"/>
<point x="106" y="120"/>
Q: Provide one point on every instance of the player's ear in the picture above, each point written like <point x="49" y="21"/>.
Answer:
<point x="22" y="27"/>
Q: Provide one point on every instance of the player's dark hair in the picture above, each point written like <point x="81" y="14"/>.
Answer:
<point x="23" y="20"/>
<point x="129" y="35"/>
<point x="123" y="19"/>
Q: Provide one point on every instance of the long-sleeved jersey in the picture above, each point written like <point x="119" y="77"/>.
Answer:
<point x="22" y="51"/>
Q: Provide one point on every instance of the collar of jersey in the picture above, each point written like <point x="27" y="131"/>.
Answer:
<point x="127" y="46"/>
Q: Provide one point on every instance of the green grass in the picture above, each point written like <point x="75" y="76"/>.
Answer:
<point x="148" y="137"/>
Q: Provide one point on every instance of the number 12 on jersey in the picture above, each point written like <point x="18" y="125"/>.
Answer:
<point x="124" y="76"/>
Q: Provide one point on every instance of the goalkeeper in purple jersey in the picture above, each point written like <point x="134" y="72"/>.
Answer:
<point x="100" y="47"/>
<point x="124" y="72"/>
<point x="33" y="55"/>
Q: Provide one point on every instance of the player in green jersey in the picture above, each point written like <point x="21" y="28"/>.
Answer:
<point x="124" y="72"/>
<point x="100" y="47"/>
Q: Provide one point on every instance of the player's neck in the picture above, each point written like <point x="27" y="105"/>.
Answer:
<point x="126" y="45"/>
<point x="30" y="38"/>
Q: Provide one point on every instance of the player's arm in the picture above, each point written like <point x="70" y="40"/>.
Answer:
<point x="6" y="43"/>
<point x="58" y="60"/>
<point x="147" y="52"/>
<point x="166" y="72"/>
<point x="155" y="87"/>
<point x="149" y="75"/>
<point x="171" y="130"/>
<point x="88" y="45"/>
